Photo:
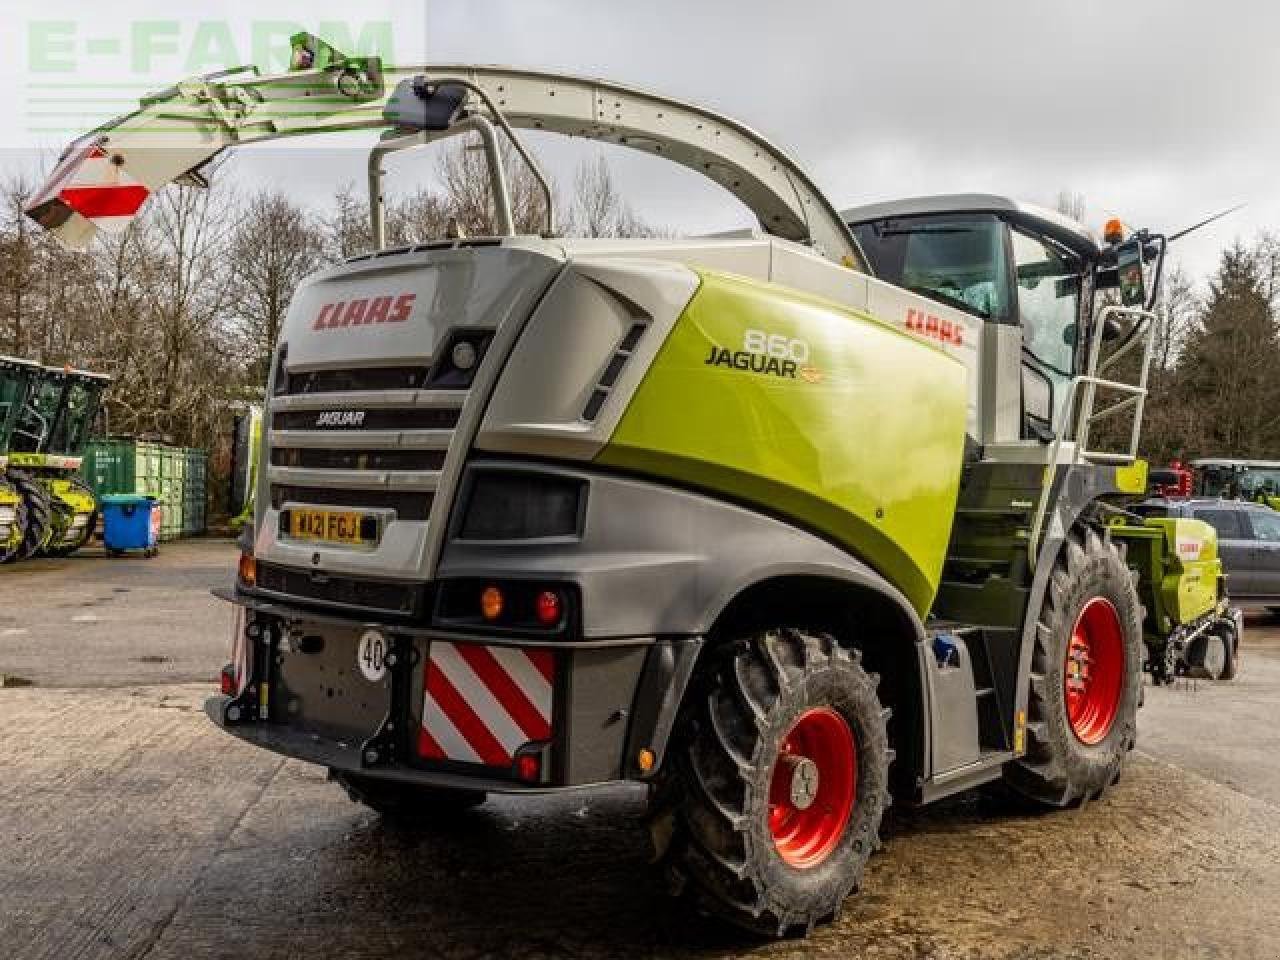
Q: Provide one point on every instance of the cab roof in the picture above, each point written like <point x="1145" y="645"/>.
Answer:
<point x="1071" y="234"/>
<point x="19" y="362"/>
<point x="1226" y="462"/>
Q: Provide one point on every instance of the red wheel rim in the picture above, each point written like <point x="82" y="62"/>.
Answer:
<point x="813" y="787"/>
<point x="1093" y="676"/>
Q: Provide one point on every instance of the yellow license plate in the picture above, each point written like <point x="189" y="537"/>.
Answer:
<point x="327" y="526"/>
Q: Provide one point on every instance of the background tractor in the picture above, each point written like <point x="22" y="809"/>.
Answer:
<point x="17" y="378"/>
<point x="1257" y="481"/>
<point x="45" y="453"/>
<point x="782" y="522"/>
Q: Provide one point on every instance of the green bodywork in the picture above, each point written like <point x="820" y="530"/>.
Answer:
<point x="1180" y="574"/>
<point x="17" y="379"/>
<point x="48" y="442"/>
<point x="861" y="442"/>
<point x="245" y="516"/>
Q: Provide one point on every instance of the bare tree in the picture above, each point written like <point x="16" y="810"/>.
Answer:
<point x="468" y="190"/>
<point x="597" y="209"/>
<point x="274" y="246"/>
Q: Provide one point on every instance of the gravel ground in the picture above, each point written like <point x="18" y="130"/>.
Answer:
<point x="130" y="828"/>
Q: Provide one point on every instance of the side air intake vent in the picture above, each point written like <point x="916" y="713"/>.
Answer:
<point x="611" y="372"/>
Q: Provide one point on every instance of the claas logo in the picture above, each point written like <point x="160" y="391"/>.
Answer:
<point x="942" y="330"/>
<point x="362" y="313"/>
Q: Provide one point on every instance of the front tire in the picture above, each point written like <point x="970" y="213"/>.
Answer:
<point x="776" y="783"/>
<point x="1086" y="676"/>
<point x="39" y="515"/>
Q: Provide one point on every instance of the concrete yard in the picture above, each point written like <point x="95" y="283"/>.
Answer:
<point x="131" y="828"/>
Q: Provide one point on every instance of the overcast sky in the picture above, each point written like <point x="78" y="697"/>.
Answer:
<point x="1158" y="112"/>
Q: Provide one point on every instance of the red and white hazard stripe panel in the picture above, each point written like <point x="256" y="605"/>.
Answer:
<point x="482" y="704"/>
<point x="88" y="182"/>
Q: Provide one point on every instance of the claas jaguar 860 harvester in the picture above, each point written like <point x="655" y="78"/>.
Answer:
<point x="782" y="523"/>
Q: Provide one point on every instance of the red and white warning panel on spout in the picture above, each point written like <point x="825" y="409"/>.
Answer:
<point x="482" y="704"/>
<point x="92" y="183"/>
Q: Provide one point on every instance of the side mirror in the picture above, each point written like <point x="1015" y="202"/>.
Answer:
<point x="417" y="104"/>
<point x="1132" y="283"/>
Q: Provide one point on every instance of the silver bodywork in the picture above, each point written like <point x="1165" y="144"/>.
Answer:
<point x="1050" y="223"/>
<point x="560" y="310"/>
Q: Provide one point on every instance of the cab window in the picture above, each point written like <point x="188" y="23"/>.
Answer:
<point x="1048" y="286"/>
<point x="1266" y="525"/>
<point x="72" y="428"/>
<point x="37" y="419"/>
<point x="1230" y="524"/>
<point x="956" y="260"/>
<point x="1259" y="482"/>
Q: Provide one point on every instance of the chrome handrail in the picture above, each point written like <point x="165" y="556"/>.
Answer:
<point x="1077" y="422"/>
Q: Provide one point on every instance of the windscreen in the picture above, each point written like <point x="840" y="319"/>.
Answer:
<point x="1214" y="481"/>
<point x="13" y="390"/>
<point x="71" y="429"/>
<point x="957" y="260"/>
<point x="1259" y="482"/>
<point x="37" y="419"/>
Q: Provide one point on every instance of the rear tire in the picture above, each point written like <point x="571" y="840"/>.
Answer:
<point x="39" y="514"/>
<point x="1086" y="676"/>
<point x="775" y="784"/>
<point x="406" y="802"/>
<point x="1208" y="656"/>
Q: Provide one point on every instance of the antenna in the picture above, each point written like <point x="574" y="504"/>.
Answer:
<point x="1204" y="223"/>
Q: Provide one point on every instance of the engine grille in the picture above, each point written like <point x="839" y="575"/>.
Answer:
<point x="426" y="419"/>
<point x="322" y="459"/>
<point x="371" y="439"/>
<point x="346" y="381"/>
<point x="405" y="599"/>
<point x="408" y="506"/>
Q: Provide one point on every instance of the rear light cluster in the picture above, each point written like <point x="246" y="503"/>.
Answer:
<point x="229" y="683"/>
<point x="508" y="605"/>
<point x="248" y="570"/>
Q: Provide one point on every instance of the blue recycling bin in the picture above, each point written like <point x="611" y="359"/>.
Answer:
<point x="131" y="521"/>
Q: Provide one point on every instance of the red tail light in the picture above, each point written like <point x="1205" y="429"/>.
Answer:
<point x="529" y="767"/>
<point x="549" y="608"/>
<point x="229" y="681"/>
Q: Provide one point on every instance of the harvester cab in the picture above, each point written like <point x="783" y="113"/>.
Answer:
<point x="1039" y="284"/>
<point x="17" y="379"/>
<point x="46" y="452"/>
<point x="778" y="522"/>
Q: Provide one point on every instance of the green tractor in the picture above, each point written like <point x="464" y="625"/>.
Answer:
<point x="45" y="453"/>
<point x="1257" y="481"/>
<point x="17" y="378"/>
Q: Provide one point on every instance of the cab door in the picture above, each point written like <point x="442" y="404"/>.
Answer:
<point x="1235" y="547"/>
<point x="1265" y="523"/>
<point x="1048" y="282"/>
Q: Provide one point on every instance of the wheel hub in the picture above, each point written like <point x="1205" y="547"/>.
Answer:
<point x="804" y="780"/>
<point x="1093" y="674"/>
<point x="813" y="787"/>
